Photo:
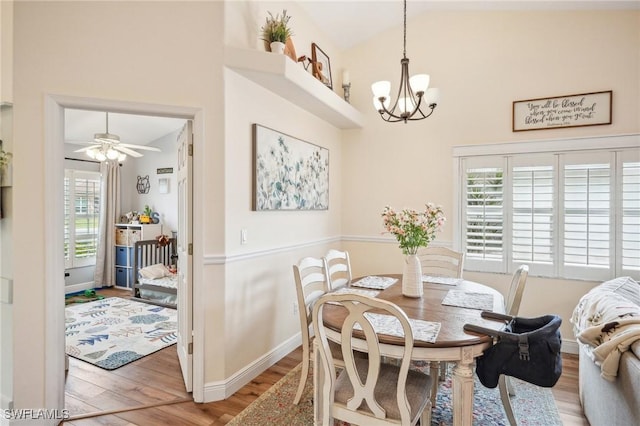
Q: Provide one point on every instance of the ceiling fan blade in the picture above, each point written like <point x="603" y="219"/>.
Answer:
<point x="127" y="151"/>
<point x="77" y="142"/>
<point x="87" y="148"/>
<point x="142" y="147"/>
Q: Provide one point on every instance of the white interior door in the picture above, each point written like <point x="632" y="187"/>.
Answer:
<point x="185" y="251"/>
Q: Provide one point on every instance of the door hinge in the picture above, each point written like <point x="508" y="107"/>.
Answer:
<point x="190" y="349"/>
<point x="191" y="150"/>
<point x="190" y="249"/>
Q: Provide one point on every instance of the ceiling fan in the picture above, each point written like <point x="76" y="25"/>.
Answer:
<point x="107" y="146"/>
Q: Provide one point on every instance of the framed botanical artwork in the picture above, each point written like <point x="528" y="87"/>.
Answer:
<point x="321" y="66"/>
<point x="288" y="173"/>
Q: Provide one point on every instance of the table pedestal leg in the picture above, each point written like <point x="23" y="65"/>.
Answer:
<point x="462" y="398"/>
<point x="318" y="383"/>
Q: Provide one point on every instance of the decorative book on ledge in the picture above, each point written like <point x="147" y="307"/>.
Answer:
<point x="288" y="79"/>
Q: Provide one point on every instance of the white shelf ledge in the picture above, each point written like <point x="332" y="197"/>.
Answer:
<point x="285" y="78"/>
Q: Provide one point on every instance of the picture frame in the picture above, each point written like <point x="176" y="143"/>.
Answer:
<point x="321" y="66"/>
<point x="163" y="185"/>
<point x="288" y="173"/>
<point x="584" y="109"/>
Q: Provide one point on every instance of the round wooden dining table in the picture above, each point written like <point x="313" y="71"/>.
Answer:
<point x="452" y="344"/>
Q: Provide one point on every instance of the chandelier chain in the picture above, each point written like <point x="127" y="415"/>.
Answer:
<point x="404" y="50"/>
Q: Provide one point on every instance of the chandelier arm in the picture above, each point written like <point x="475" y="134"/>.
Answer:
<point x="432" y="106"/>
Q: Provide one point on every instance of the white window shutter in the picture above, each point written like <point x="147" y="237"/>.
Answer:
<point x="534" y="233"/>
<point x="587" y="238"/>
<point x="82" y="215"/>
<point x="483" y="215"/>
<point x="630" y="218"/>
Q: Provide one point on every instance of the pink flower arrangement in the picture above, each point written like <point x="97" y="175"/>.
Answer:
<point x="413" y="229"/>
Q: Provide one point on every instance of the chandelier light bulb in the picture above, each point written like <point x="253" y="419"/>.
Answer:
<point x="406" y="105"/>
<point x="419" y="83"/>
<point x="433" y="96"/>
<point x="381" y="89"/>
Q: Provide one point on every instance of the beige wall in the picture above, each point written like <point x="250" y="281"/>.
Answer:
<point x="259" y="295"/>
<point x="481" y="62"/>
<point x="166" y="53"/>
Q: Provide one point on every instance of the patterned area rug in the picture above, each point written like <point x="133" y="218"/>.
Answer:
<point x="113" y="332"/>
<point x="533" y="405"/>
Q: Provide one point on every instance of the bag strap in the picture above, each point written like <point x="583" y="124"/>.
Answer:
<point x="521" y="339"/>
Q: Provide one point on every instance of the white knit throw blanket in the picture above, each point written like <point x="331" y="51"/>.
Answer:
<point x="609" y="324"/>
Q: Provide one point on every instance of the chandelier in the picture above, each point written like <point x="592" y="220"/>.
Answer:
<point x="413" y="94"/>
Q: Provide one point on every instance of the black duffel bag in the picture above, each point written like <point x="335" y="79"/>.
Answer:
<point x="527" y="348"/>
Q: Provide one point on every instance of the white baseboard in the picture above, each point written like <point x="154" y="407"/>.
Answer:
<point x="217" y="391"/>
<point x="74" y="288"/>
<point x="570" y="347"/>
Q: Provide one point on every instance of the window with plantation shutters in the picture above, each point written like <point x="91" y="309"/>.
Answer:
<point x="568" y="209"/>
<point x="81" y="217"/>
<point x="630" y="195"/>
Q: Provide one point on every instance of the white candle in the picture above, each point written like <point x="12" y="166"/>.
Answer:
<point x="345" y="77"/>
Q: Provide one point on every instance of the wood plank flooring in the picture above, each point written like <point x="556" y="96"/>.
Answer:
<point x="156" y="381"/>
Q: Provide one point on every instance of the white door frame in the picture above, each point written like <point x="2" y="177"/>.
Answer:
<point x="54" y="106"/>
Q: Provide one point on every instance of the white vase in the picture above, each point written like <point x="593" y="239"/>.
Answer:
<point x="277" y="47"/>
<point x="412" y="276"/>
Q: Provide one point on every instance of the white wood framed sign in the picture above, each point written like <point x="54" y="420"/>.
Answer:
<point x="585" y="109"/>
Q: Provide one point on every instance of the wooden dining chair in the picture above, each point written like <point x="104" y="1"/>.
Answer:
<point x="311" y="279"/>
<point x="369" y="391"/>
<point x="441" y="262"/>
<point x="338" y="268"/>
<point x="512" y="307"/>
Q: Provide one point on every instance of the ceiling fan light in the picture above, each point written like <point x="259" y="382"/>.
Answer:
<point x="122" y="157"/>
<point x="112" y="154"/>
<point x="100" y="156"/>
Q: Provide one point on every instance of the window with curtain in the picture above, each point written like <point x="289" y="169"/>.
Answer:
<point x="81" y="217"/>
<point x="568" y="214"/>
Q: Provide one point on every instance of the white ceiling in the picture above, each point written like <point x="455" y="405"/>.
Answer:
<point x="349" y="23"/>
<point x="81" y="125"/>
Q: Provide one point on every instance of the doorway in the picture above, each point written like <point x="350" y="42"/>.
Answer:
<point x="54" y="136"/>
<point x="96" y="244"/>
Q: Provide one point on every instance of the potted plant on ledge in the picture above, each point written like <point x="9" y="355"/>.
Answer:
<point x="276" y="31"/>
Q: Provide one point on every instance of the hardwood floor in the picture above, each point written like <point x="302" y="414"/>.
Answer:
<point x="156" y="382"/>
